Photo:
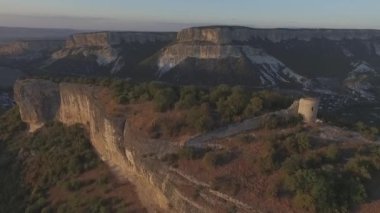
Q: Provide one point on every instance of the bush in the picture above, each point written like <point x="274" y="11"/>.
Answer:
<point x="254" y="107"/>
<point x="164" y="99"/>
<point x="214" y="159"/>
<point x="360" y="167"/>
<point x="189" y="97"/>
<point x="298" y="143"/>
<point x="234" y="105"/>
<point x="292" y="164"/>
<point x="220" y="92"/>
<point x="166" y="126"/>
<point x="332" y="153"/>
<point x="200" y="118"/>
<point x="271" y="157"/>
<point x="371" y="133"/>
<point x="325" y="191"/>
<point x="271" y="121"/>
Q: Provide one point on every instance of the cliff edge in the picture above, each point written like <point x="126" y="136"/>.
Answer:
<point x="159" y="186"/>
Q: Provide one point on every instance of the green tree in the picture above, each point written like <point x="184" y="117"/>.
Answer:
<point x="255" y="105"/>
<point x="200" y="118"/>
<point x="164" y="99"/>
<point x="189" y="97"/>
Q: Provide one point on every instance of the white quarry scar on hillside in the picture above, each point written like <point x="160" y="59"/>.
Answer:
<point x="271" y="70"/>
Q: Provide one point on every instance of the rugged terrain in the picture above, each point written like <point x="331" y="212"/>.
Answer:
<point x="341" y="66"/>
<point x="183" y="182"/>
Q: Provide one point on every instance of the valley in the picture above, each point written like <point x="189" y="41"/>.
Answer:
<point x="201" y="120"/>
<point x="143" y="137"/>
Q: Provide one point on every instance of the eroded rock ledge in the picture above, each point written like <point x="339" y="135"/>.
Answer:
<point x="158" y="186"/>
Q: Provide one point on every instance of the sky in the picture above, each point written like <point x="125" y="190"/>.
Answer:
<point x="170" y="15"/>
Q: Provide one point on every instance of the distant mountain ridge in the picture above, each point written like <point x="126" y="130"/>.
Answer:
<point x="9" y="34"/>
<point x="323" y="60"/>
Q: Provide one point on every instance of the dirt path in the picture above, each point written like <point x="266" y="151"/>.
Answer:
<point x="230" y="130"/>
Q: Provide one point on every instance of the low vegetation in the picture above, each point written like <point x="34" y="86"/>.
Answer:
<point x="315" y="175"/>
<point x="56" y="157"/>
<point x="201" y="109"/>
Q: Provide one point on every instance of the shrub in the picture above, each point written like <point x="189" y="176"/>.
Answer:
<point x="303" y="142"/>
<point x="325" y="191"/>
<point x="360" y="167"/>
<point x="292" y="164"/>
<point x="271" y="121"/>
<point x="200" y="118"/>
<point x="332" y="153"/>
<point x="164" y="99"/>
<point x="189" y="97"/>
<point x="167" y="126"/>
<point x="371" y="133"/>
<point x="298" y="143"/>
<point x="271" y="157"/>
<point x="219" y="93"/>
<point x="255" y="106"/>
<point x="234" y="105"/>
<point x="214" y="159"/>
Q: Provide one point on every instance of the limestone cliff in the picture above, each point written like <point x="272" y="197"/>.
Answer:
<point x="219" y="43"/>
<point x="158" y="185"/>
<point x="108" y="48"/>
<point x="270" y="57"/>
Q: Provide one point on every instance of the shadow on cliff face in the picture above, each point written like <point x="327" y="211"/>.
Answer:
<point x="56" y="169"/>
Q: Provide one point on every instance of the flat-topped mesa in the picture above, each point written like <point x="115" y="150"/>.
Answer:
<point x="106" y="39"/>
<point x="229" y="34"/>
<point x="21" y="47"/>
<point x="216" y="35"/>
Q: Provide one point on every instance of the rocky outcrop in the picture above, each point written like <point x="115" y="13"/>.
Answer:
<point x="269" y="70"/>
<point x="39" y="101"/>
<point x="158" y="185"/>
<point x="219" y="43"/>
<point x="267" y="57"/>
<point x="107" y="48"/>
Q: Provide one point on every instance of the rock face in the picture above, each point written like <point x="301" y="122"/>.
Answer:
<point x="308" y="59"/>
<point x="39" y="101"/>
<point x="109" y="48"/>
<point x="157" y="184"/>
<point x="274" y="58"/>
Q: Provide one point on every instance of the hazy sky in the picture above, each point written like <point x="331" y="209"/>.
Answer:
<point x="174" y="14"/>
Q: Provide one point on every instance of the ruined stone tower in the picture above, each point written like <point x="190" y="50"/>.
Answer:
<point x="308" y="108"/>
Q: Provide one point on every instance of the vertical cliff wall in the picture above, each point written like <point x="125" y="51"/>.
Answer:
<point x="129" y="154"/>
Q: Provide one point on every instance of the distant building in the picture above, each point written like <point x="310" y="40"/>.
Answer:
<point x="308" y="108"/>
